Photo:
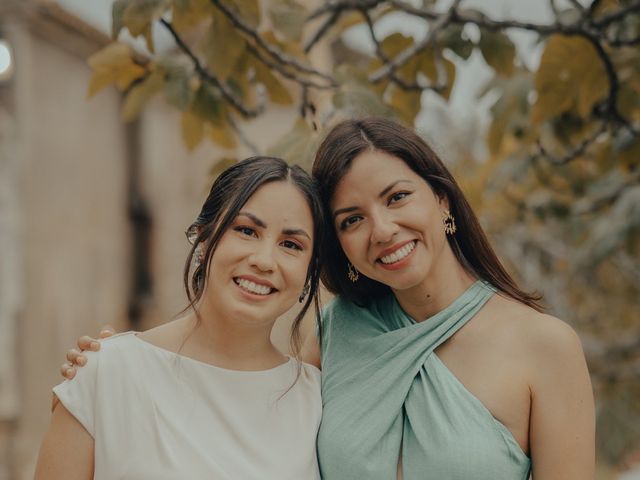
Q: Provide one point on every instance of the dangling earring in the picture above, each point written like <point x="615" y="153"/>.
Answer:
<point x="352" y="273"/>
<point x="449" y="223"/>
<point x="198" y="257"/>
<point x="304" y="293"/>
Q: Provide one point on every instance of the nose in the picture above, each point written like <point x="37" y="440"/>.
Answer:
<point x="262" y="257"/>
<point x="383" y="228"/>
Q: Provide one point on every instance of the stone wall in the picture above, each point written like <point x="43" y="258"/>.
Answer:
<point x="71" y="173"/>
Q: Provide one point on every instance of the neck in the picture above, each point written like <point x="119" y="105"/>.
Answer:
<point x="230" y="343"/>
<point x="446" y="282"/>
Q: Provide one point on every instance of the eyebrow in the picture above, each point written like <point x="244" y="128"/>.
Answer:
<point x="384" y="191"/>
<point x="262" y="224"/>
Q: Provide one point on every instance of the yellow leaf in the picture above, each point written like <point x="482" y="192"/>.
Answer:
<point x="392" y="46"/>
<point x="630" y="156"/>
<point x="222" y="135"/>
<point x="192" y="128"/>
<point x="113" y="65"/>
<point x="429" y="68"/>
<point x="570" y="73"/>
<point x="249" y="10"/>
<point x="140" y="14"/>
<point x="187" y="14"/>
<point x="276" y="91"/>
<point x="406" y="103"/>
<point x="222" y="46"/>
<point x="140" y="94"/>
<point x="498" y="51"/>
<point x="349" y="19"/>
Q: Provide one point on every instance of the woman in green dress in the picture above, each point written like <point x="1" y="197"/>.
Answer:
<point x="435" y="364"/>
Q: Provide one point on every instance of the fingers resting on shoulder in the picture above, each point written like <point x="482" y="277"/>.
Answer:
<point x="76" y="358"/>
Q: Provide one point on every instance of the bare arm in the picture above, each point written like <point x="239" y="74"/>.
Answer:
<point x="562" y="425"/>
<point x="66" y="452"/>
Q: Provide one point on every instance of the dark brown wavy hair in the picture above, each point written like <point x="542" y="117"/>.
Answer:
<point x="229" y="192"/>
<point x="469" y="244"/>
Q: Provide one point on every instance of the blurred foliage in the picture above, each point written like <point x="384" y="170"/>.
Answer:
<point x="559" y="190"/>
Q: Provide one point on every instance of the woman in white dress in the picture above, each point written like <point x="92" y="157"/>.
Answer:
<point x="208" y="395"/>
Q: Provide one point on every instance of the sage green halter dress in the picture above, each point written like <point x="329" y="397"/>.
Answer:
<point x="385" y="393"/>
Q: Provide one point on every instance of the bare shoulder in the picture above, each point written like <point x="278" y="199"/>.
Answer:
<point x="532" y="328"/>
<point x="542" y="340"/>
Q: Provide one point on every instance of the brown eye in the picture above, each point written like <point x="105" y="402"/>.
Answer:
<point x="292" y="245"/>
<point x="248" y="231"/>
<point x="396" y="197"/>
<point x="349" y="221"/>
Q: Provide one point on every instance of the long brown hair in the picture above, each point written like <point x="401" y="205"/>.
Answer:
<point x="469" y="244"/>
<point x="229" y="192"/>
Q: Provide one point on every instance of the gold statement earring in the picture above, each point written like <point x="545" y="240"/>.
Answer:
<point x="449" y="223"/>
<point x="352" y="273"/>
<point x="305" y="292"/>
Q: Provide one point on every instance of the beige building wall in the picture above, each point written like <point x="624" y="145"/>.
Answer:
<point x="67" y="237"/>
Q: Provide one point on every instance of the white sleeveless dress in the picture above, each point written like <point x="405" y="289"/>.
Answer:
<point x="157" y="415"/>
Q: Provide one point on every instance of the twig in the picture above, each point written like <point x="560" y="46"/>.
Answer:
<point x="404" y="56"/>
<point x="284" y="72"/>
<point x="331" y="20"/>
<point x="276" y="53"/>
<point x="212" y="79"/>
<point x="243" y="137"/>
<point x="575" y="152"/>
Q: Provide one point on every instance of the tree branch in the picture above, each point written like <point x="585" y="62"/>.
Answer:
<point x="210" y="78"/>
<point x="391" y="65"/>
<point x="276" y="53"/>
<point x="324" y="28"/>
<point x="573" y="153"/>
<point x="284" y="72"/>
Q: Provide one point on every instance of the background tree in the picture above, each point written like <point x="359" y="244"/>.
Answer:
<point x="559" y="190"/>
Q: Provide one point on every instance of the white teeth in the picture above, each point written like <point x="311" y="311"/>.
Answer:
<point x="399" y="254"/>
<point x="253" y="287"/>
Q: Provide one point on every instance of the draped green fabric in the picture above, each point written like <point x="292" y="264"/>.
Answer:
<point x="385" y="394"/>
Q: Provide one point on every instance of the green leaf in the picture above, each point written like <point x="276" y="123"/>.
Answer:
<point x="141" y="93"/>
<point x="178" y="91"/>
<point x="358" y="100"/>
<point x="288" y="17"/>
<point x="208" y="105"/>
<point x="455" y="39"/>
<point x="222" y="46"/>
<point x="117" y="12"/>
<point x="297" y="146"/>
<point x="498" y="51"/>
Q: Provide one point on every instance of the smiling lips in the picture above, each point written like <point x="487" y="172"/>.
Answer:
<point x="253" y="287"/>
<point x="399" y="254"/>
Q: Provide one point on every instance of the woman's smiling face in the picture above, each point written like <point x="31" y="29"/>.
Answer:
<point x="389" y="220"/>
<point x="259" y="267"/>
